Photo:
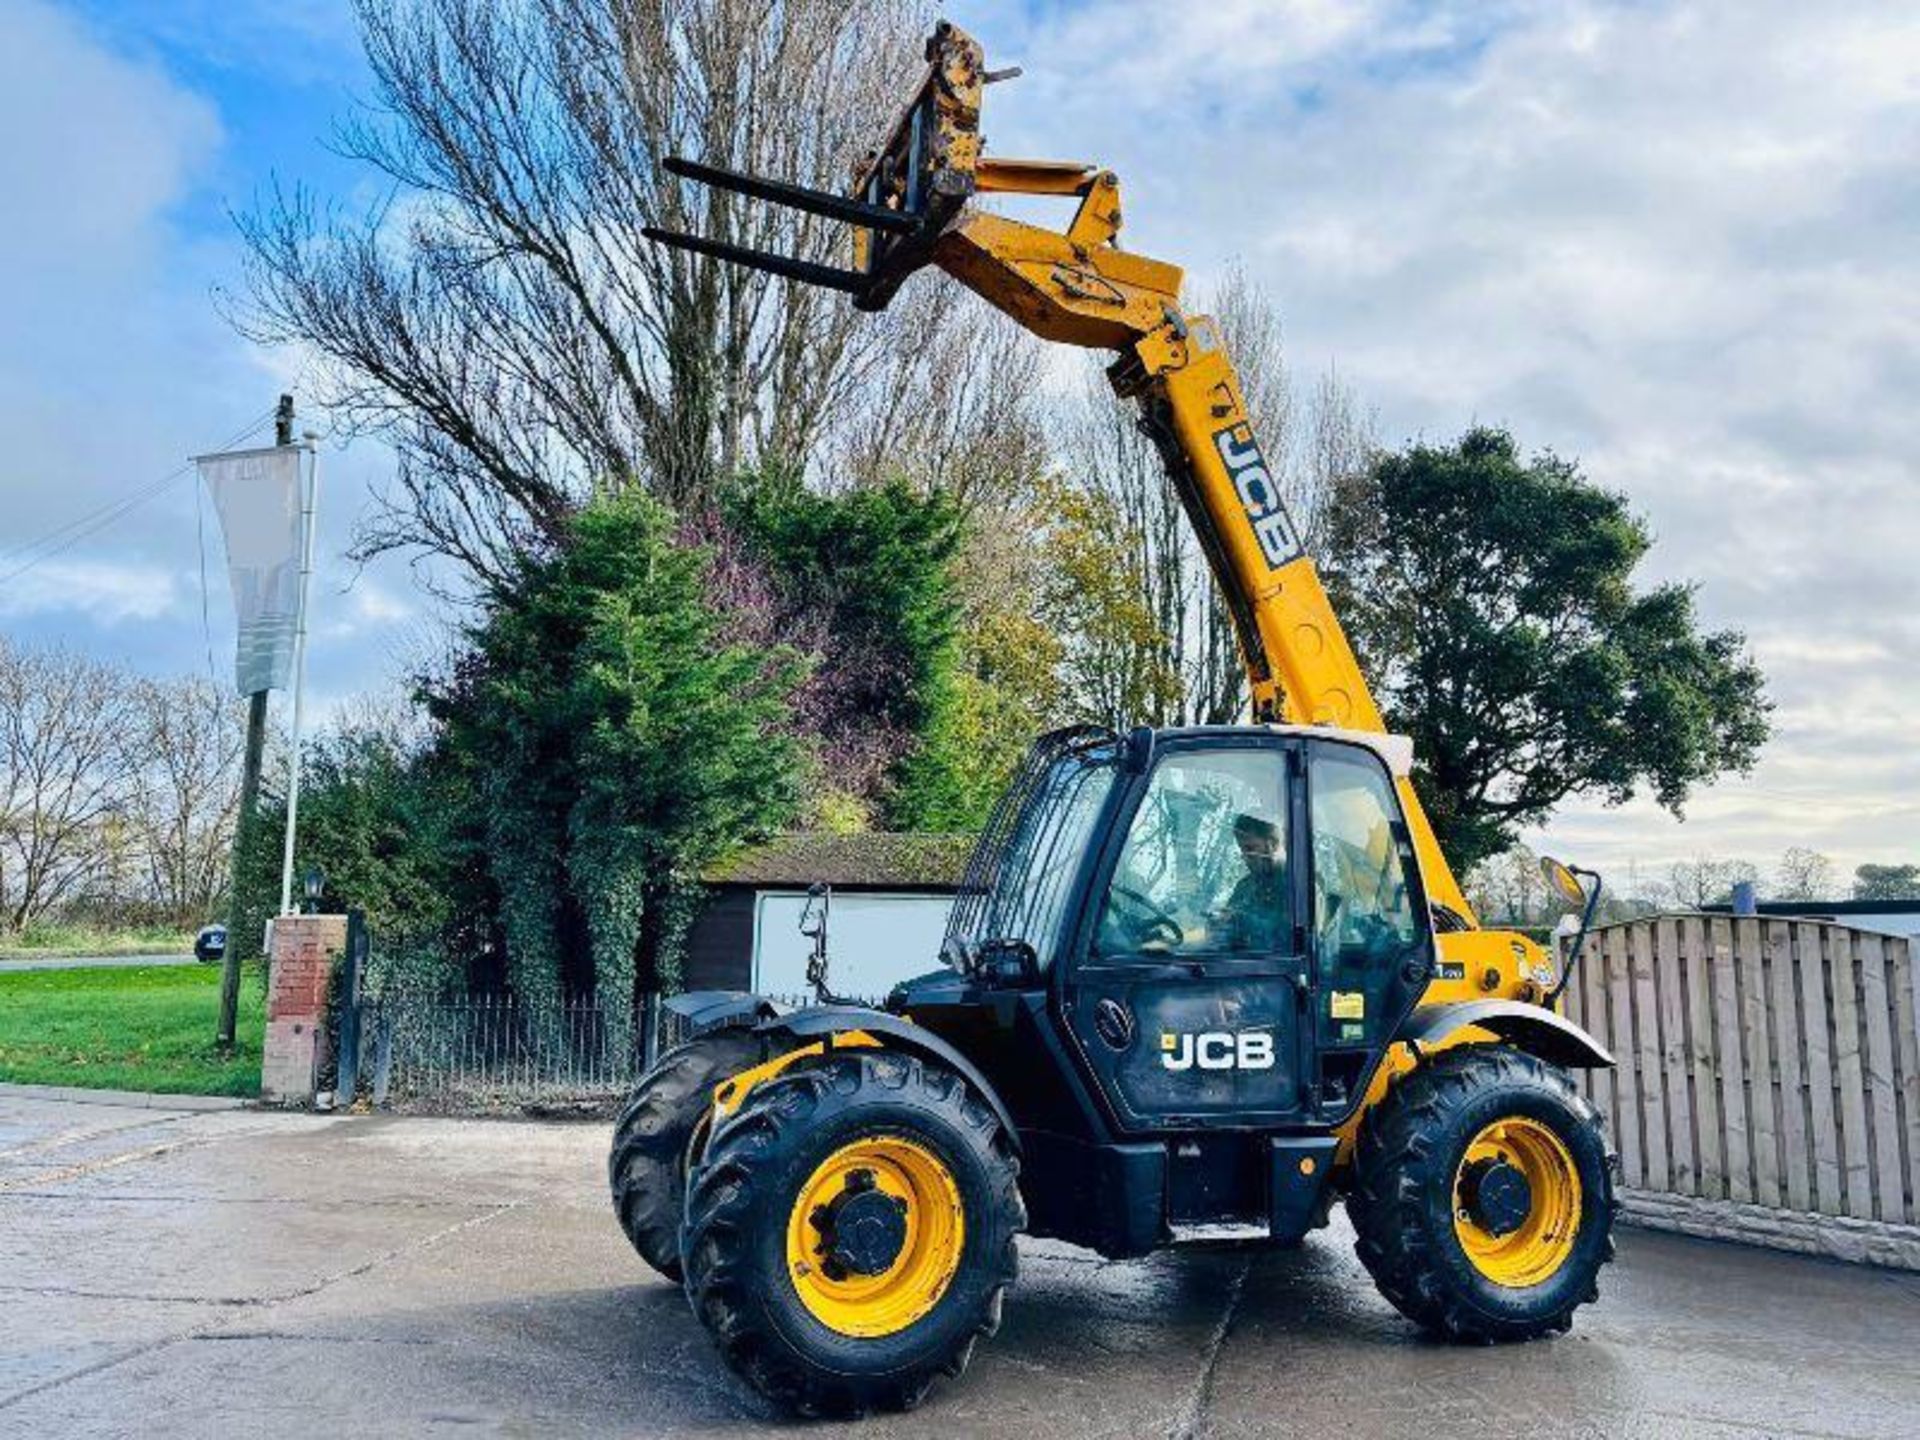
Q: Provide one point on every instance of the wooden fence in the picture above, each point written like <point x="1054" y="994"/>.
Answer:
<point x="1768" y="1084"/>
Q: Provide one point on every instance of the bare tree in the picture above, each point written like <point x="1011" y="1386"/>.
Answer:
<point x="954" y="407"/>
<point x="1704" y="880"/>
<point x="1311" y="441"/>
<point x="63" y="774"/>
<point x="183" y="742"/>
<point x="1509" y="889"/>
<point x="1638" y="893"/>
<point x="1804" y="874"/>
<point x="501" y="318"/>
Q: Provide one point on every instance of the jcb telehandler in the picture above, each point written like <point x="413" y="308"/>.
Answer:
<point x="1195" y="978"/>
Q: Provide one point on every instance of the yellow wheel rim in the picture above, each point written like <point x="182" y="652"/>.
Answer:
<point x="1534" y="1249"/>
<point x="930" y="1231"/>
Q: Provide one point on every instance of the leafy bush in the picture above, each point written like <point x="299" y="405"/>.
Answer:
<point x="615" y="741"/>
<point x="864" y="580"/>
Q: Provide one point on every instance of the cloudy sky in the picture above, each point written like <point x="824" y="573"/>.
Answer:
<point x="1676" y="241"/>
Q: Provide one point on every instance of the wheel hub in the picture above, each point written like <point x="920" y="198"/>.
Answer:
<point x="875" y="1235"/>
<point x="1497" y="1195"/>
<point x="862" y="1229"/>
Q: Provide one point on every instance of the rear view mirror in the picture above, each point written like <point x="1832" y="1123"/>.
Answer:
<point x="1564" y="882"/>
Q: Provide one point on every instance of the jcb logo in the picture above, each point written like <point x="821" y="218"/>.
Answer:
<point x="1258" y="493"/>
<point x="1217" y="1050"/>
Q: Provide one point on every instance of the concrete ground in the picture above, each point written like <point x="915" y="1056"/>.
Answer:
<point x="243" y="1273"/>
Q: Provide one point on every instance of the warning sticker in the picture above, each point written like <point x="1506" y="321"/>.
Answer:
<point x="1349" y="1005"/>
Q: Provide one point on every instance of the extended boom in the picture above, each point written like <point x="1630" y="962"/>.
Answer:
<point x="1077" y="287"/>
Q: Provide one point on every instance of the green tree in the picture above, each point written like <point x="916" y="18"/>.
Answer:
<point x="390" y="824"/>
<point x="1491" y="601"/>
<point x="1011" y="660"/>
<point x="865" y="579"/>
<point x="1120" y="666"/>
<point x="1886" y="882"/>
<point x="617" y="741"/>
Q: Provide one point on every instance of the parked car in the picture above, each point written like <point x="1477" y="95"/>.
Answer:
<point x="210" y="945"/>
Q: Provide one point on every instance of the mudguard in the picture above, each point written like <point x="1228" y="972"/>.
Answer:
<point x="820" y="1021"/>
<point x="1529" y="1027"/>
<point x="705" y="1010"/>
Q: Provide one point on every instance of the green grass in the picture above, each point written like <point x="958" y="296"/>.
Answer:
<point x="136" y="1027"/>
<point x="52" y="940"/>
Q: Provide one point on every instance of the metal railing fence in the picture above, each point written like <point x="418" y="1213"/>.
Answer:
<point x="499" y="1053"/>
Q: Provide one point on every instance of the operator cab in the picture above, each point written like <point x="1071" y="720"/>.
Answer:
<point x="1203" y="932"/>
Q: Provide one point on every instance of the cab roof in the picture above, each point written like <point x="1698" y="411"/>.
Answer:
<point x="1395" y="751"/>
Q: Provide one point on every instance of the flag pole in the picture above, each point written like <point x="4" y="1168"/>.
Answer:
<point x="256" y="745"/>
<point x="310" y="496"/>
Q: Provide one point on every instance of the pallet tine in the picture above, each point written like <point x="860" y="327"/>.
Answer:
<point x="795" y="197"/>
<point x="805" y="271"/>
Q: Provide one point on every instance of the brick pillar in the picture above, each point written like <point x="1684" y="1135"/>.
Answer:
<point x="304" y="949"/>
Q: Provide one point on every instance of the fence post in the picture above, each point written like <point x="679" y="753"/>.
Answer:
<point x="303" y="950"/>
<point x="347" y="1081"/>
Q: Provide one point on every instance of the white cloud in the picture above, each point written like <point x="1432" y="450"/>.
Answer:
<point x="102" y="592"/>
<point x="364" y="606"/>
<point x="99" y="348"/>
<point x="97" y="146"/>
<point x="1677" y="241"/>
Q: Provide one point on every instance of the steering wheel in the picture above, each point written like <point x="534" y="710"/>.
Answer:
<point x="1149" y="923"/>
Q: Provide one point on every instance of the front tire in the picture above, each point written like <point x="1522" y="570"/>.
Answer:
<point x="850" y="1232"/>
<point x="1483" y="1197"/>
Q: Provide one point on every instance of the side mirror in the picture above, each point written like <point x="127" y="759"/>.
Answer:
<point x="813" y="924"/>
<point x="1583" y="901"/>
<point x="813" y="915"/>
<point x="1564" y="882"/>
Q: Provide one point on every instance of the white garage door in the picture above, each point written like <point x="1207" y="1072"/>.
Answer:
<point x="874" y="941"/>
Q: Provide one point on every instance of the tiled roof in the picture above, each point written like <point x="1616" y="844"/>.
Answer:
<point x="872" y="859"/>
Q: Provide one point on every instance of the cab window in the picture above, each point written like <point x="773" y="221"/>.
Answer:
<point x="1363" y="916"/>
<point x="1204" y="867"/>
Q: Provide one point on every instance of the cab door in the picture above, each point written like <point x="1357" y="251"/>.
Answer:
<point x="1371" y="941"/>
<point x="1188" y="984"/>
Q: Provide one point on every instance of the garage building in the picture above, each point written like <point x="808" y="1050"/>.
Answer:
<point x="891" y="897"/>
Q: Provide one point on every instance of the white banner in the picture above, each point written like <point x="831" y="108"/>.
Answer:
<point x="257" y="495"/>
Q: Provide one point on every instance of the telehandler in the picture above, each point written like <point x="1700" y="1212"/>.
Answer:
<point x="1197" y="981"/>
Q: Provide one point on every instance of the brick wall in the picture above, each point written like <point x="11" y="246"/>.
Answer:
<point x="305" y="948"/>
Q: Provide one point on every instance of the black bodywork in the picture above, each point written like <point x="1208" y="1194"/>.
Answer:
<point x="1118" y="1149"/>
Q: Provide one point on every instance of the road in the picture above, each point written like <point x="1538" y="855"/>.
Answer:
<point x="247" y="1273"/>
<point x="88" y="962"/>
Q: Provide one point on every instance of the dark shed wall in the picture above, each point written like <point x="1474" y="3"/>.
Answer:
<point x="720" y="944"/>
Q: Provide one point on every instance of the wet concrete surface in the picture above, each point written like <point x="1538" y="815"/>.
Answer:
<point x="247" y="1273"/>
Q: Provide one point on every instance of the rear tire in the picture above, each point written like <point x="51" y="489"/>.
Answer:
<point x="1443" y="1263"/>
<point x="822" y="1343"/>
<point x="647" y="1167"/>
